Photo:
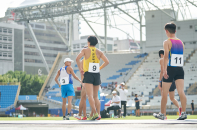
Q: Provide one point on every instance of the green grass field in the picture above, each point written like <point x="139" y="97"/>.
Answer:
<point x="72" y="118"/>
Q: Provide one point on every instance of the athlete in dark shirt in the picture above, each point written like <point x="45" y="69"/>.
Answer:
<point x="192" y="107"/>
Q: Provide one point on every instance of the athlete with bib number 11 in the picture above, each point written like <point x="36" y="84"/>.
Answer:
<point x="91" y="71"/>
<point x="66" y="84"/>
<point x="173" y="70"/>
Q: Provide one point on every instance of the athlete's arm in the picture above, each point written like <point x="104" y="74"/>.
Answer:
<point x="166" y="53"/>
<point x="106" y="61"/>
<point x="81" y="64"/>
<point x="161" y="72"/>
<point x="70" y="69"/>
<point x="57" y="76"/>
<point x="80" y="55"/>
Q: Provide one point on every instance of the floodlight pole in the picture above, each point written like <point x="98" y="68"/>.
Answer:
<point x="71" y="35"/>
<point x="37" y="45"/>
<point x="105" y="26"/>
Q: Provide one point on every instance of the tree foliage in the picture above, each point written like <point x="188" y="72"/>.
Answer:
<point x="30" y="84"/>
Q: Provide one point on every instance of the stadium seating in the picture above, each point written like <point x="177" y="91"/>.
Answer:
<point x="145" y="79"/>
<point x="114" y="72"/>
<point x="8" y="95"/>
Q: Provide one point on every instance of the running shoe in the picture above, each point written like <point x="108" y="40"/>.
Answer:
<point x="77" y="117"/>
<point x="64" y="118"/>
<point x="95" y="116"/>
<point x="90" y="117"/>
<point x="67" y="117"/>
<point x="99" y="117"/>
<point x="180" y="110"/>
<point x="84" y="118"/>
<point x="183" y="116"/>
<point x="159" y="116"/>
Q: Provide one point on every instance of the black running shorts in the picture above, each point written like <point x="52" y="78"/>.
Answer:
<point x="172" y="87"/>
<point x="92" y="78"/>
<point x="174" y="73"/>
<point x="137" y="107"/>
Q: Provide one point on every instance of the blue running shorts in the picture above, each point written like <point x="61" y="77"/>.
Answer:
<point x="67" y="90"/>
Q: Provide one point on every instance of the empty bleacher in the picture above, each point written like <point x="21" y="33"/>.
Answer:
<point x="146" y="78"/>
<point x="8" y="95"/>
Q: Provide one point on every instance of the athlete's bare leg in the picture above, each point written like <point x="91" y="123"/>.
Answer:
<point x="64" y="106"/>
<point x="69" y="103"/>
<point x="165" y="91"/>
<point x="174" y="101"/>
<point x="95" y="95"/>
<point x="180" y="89"/>
<point x="89" y="92"/>
<point x="82" y="104"/>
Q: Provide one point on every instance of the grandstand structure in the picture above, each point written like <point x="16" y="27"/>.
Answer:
<point x="139" y="71"/>
<point x="8" y="96"/>
<point x="110" y="10"/>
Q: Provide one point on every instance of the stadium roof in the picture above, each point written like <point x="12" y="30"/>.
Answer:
<point x="26" y="3"/>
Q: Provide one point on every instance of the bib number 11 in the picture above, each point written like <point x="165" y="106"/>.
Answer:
<point x="177" y="60"/>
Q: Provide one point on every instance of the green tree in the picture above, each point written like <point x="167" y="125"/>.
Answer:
<point x="30" y="84"/>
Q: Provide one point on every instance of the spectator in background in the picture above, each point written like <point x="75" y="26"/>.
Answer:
<point x="115" y="104"/>
<point x="137" y="105"/>
<point x="192" y="107"/>
<point x="123" y="96"/>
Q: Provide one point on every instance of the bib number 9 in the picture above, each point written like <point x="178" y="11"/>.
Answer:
<point x="177" y="60"/>
<point x="93" y="68"/>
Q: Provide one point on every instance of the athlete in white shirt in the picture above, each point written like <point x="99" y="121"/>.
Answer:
<point x="123" y="96"/>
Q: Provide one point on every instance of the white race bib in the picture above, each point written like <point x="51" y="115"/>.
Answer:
<point x="176" y="60"/>
<point x="93" y="68"/>
<point x="64" y="81"/>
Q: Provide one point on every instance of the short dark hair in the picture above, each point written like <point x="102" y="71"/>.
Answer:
<point x="161" y="52"/>
<point x="135" y="94"/>
<point x="93" y="40"/>
<point x="171" y="27"/>
<point x="192" y="100"/>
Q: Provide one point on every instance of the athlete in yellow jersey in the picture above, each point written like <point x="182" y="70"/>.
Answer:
<point x="91" y="70"/>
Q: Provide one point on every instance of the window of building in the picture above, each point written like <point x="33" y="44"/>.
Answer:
<point x="49" y="55"/>
<point x="5" y="30"/>
<point x="9" y="54"/>
<point x="10" y="39"/>
<point x="9" y="46"/>
<point x="4" y="46"/>
<point x="39" y="26"/>
<point x="10" y="31"/>
<point x="5" y="54"/>
<point x="196" y="28"/>
<point x="53" y="48"/>
<point x="77" y="46"/>
<point x="49" y="61"/>
<point x="0" y="54"/>
<point x="50" y="35"/>
<point x="1" y="29"/>
<point x="0" y="45"/>
<point x="30" y="46"/>
<point x="5" y="38"/>
<point x="31" y="53"/>
<point x="179" y="28"/>
<point x="190" y="26"/>
<point x="153" y="16"/>
<point x="33" y="61"/>
<point x="49" y="28"/>
<point x="0" y="37"/>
